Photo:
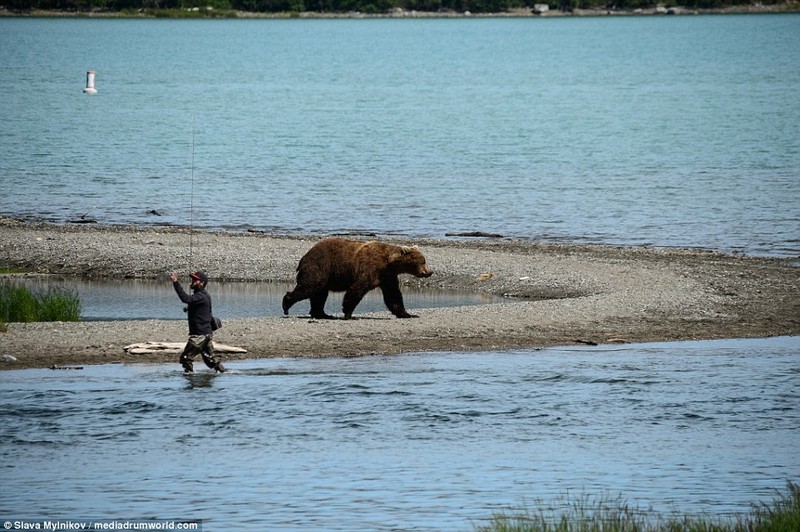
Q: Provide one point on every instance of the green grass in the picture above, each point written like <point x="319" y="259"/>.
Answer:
<point x="615" y="515"/>
<point x="18" y="303"/>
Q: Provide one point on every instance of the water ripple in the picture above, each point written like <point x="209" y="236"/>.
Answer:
<point x="313" y="148"/>
<point x="701" y="427"/>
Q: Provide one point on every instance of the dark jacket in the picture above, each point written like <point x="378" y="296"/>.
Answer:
<point x="199" y="309"/>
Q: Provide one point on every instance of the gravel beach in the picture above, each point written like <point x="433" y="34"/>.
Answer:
<point x="553" y="295"/>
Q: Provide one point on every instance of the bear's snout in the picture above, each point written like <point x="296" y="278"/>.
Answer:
<point x="424" y="271"/>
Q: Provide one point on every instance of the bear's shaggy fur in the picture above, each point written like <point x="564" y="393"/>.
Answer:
<point x="353" y="267"/>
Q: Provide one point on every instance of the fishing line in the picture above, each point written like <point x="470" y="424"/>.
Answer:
<point x="191" y="202"/>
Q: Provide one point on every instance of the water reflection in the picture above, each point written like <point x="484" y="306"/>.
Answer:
<point x="132" y="299"/>
<point x="199" y="379"/>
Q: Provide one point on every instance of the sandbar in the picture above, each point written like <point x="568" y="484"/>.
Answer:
<point x="553" y="294"/>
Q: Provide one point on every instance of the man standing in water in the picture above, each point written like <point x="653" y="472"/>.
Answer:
<point x="201" y="330"/>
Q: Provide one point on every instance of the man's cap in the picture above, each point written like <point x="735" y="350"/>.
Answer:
<point x="200" y="276"/>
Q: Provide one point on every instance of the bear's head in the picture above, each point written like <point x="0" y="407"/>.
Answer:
<point x="410" y="260"/>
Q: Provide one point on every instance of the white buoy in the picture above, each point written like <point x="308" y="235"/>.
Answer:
<point x="90" y="83"/>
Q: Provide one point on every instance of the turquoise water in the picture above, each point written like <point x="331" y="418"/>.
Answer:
<point x="679" y="131"/>
<point x="431" y="441"/>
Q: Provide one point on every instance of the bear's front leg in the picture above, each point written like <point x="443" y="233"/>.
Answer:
<point x="393" y="298"/>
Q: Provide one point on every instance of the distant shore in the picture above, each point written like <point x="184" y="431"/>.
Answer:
<point x="756" y="8"/>
<point x="553" y="295"/>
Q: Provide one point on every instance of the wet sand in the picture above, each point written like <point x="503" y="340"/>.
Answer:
<point x="553" y="295"/>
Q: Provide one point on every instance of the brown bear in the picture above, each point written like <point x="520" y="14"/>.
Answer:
<point x="353" y="267"/>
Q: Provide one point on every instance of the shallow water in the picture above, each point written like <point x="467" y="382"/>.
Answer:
<point x="131" y="299"/>
<point x="430" y="441"/>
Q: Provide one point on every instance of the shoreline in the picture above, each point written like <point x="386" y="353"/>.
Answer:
<point x="555" y="294"/>
<point x="756" y="8"/>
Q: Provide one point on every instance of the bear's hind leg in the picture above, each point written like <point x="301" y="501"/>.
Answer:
<point x="290" y="299"/>
<point x="352" y="298"/>
<point x="293" y="297"/>
<point x="318" y="306"/>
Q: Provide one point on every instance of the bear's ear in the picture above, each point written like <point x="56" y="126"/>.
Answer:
<point x="409" y="249"/>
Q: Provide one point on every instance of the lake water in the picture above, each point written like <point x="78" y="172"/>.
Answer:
<point x="434" y="441"/>
<point x="673" y="131"/>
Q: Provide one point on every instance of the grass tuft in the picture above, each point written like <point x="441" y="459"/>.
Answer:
<point x="19" y="303"/>
<point x="782" y="515"/>
<point x="586" y="514"/>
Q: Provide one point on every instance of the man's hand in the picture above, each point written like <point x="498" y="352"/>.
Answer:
<point x="174" y="277"/>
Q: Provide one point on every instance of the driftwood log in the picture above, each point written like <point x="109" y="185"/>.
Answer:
<point x="147" y="348"/>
